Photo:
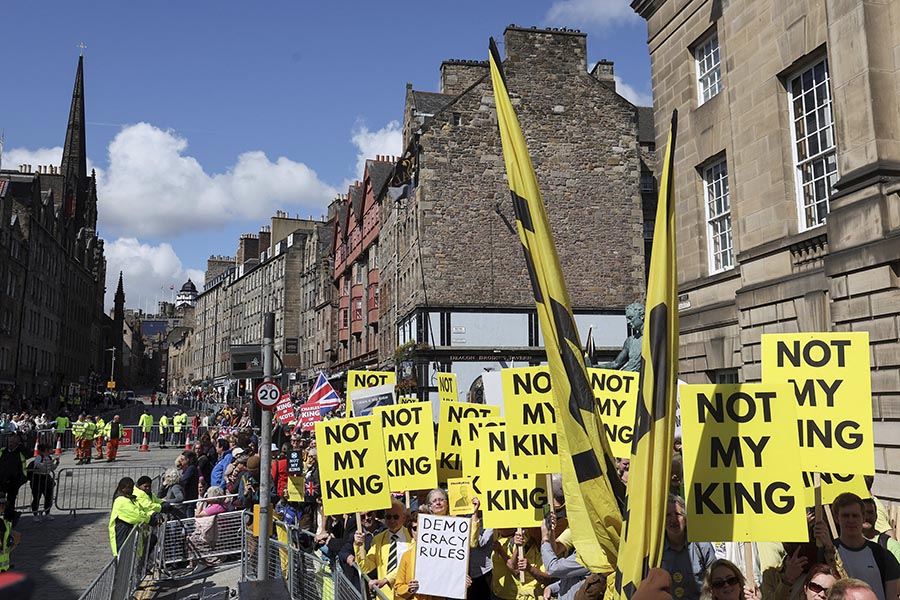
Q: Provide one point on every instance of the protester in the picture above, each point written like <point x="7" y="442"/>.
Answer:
<point x="818" y="582"/>
<point x="406" y="586"/>
<point x="870" y="521"/>
<point x="125" y="514"/>
<point x="386" y="549"/>
<point x="862" y="559"/>
<point x="724" y="581"/>
<point x="851" y="589"/>
<point x="687" y="562"/>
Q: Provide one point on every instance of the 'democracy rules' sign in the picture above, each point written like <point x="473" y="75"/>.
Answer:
<point x="442" y="556"/>
<point x="831" y="382"/>
<point x="741" y="481"/>
<point x="351" y="465"/>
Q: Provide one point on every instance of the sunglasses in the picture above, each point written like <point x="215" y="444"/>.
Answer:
<point x="391" y="517"/>
<point x="720" y="583"/>
<point x="815" y="588"/>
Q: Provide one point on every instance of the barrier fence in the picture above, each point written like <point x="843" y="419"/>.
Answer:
<point x="186" y="543"/>
<point x="124" y="573"/>
<point x="93" y="488"/>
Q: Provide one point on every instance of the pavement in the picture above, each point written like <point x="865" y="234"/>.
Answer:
<point x="65" y="555"/>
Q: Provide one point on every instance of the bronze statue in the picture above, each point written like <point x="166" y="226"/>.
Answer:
<point x="629" y="359"/>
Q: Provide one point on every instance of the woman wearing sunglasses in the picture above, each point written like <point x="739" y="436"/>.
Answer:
<point x="724" y="581"/>
<point x="819" y="580"/>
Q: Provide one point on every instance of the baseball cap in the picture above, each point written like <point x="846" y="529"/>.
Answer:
<point x="237" y="451"/>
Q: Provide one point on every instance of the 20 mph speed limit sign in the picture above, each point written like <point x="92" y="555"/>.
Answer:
<point x="267" y="394"/>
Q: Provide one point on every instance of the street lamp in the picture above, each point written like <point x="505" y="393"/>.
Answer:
<point x="112" y="367"/>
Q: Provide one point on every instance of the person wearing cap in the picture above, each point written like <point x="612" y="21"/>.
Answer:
<point x="248" y="483"/>
<point x="9" y="539"/>
<point x="12" y="474"/>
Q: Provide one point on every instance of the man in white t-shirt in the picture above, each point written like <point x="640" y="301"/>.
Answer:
<point x="862" y="559"/>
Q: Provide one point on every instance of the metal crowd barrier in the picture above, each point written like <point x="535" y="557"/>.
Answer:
<point x="124" y="573"/>
<point x="39" y="486"/>
<point x="93" y="488"/>
<point x="202" y="540"/>
<point x="307" y="576"/>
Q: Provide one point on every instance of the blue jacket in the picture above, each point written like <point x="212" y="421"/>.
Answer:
<point x="218" y="472"/>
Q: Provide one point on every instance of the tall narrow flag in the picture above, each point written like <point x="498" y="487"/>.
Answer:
<point x="592" y="487"/>
<point x="651" y="446"/>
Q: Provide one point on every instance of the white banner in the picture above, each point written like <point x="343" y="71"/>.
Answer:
<point x="442" y="556"/>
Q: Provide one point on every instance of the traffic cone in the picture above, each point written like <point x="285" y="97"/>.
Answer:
<point x="58" y="450"/>
<point x="36" y="453"/>
<point x="145" y="446"/>
<point x="187" y="440"/>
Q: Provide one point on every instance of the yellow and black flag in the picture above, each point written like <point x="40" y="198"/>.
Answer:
<point x="651" y="446"/>
<point x="594" y="493"/>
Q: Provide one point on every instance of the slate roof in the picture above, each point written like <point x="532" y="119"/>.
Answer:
<point x="430" y="102"/>
<point x="379" y="172"/>
<point x="646" y="134"/>
<point x="356" y="202"/>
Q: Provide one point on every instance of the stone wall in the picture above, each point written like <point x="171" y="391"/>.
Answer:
<point x="582" y="138"/>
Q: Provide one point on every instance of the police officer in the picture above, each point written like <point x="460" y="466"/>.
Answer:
<point x="163" y="429"/>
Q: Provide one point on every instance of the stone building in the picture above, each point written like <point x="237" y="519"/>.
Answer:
<point x="356" y="271"/>
<point x="265" y="276"/>
<point x="455" y="294"/>
<point x="786" y="180"/>
<point x="54" y="269"/>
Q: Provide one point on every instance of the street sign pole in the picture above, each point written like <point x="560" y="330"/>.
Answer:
<point x="265" y="451"/>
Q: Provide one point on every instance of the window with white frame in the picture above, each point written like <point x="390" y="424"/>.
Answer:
<point x="709" y="74"/>
<point x="718" y="217"/>
<point x="815" y="155"/>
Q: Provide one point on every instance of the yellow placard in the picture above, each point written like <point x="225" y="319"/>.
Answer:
<point x="615" y="393"/>
<point x="740" y="483"/>
<point x="447" y="387"/>
<point x="508" y="499"/>
<point x="833" y="485"/>
<point x="352" y="469"/>
<point x="460" y="493"/>
<point x="409" y="400"/>
<point x="530" y="420"/>
<point x="450" y="440"/>
<point x="470" y="454"/>
<point x="358" y="380"/>
<point x="110" y="385"/>
<point x="295" y="488"/>
<point x="408" y="434"/>
<point x="832" y="386"/>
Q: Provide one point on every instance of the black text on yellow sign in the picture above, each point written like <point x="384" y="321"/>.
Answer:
<point x="450" y="439"/>
<point x="530" y="420"/>
<point x="408" y="435"/>
<point x="509" y="499"/>
<point x="447" y="391"/>
<point x="738" y="483"/>
<point x="830" y="376"/>
<point x="615" y="394"/>
<point x="352" y="465"/>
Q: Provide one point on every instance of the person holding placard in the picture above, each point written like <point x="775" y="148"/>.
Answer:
<point x="687" y="562"/>
<point x="406" y="587"/>
<point x="481" y="546"/>
<point x="567" y="569"/>
<point x="386" y="550"/>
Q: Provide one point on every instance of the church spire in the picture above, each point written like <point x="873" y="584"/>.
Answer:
<point x="120" y="295"/>
<point x="74" y="158"/>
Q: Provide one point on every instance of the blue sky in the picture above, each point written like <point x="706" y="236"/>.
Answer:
<point x="206" y="117"/>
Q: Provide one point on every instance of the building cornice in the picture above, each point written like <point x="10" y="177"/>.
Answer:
<point x="646" y="8"/>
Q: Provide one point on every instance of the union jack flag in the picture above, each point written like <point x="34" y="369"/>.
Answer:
<point x="323" y="394"/>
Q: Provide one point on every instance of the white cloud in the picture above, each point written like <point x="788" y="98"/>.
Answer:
<point x="147" y="273"/>
<point x="154" y="188"/>
<point x="583" y="13"/>
<point x="632" y="95"/>
<point x="42" y="156"/>
<point x="387" y="140"/>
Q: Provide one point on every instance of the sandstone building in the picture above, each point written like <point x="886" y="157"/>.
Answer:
<point x="455" y="294"/>
<point x="264" y="276"/>
<point x="787" y="177"/>
<point x="53" y="273"/>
